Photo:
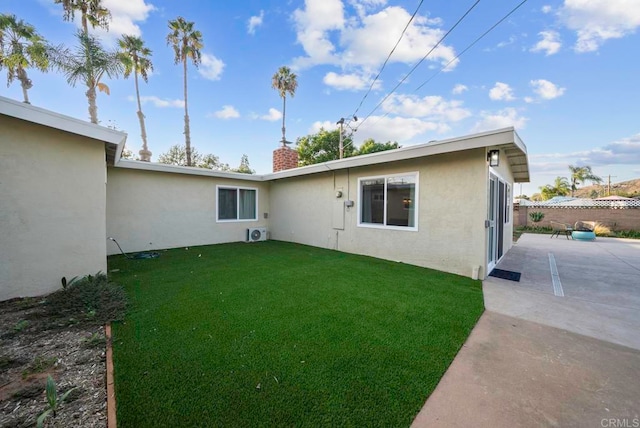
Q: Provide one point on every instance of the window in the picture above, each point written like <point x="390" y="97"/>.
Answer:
<point x="389" y="201"/>
<point x="237" y="204"/>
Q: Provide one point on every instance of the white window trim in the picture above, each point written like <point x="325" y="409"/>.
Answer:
<point x="237" y="189"/>
<point x="416" y="211"/>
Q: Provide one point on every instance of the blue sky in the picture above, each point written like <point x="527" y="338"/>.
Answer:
<point x="566" y="74"/>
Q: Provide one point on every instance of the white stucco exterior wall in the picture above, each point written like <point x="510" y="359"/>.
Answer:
<point x="150" y="210"/>
<point x="452" y="210"/>
<point x="52" y="207"/>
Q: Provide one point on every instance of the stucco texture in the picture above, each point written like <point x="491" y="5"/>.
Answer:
<point x="150" y="210"/>
<point x="52" y="207"/>
<point x="451" y="213"/>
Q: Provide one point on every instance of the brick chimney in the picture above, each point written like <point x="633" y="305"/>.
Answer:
<point x="284" y="158"/>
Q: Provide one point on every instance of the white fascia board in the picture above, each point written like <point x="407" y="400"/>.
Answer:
<point x="189" y="170"/>
<point x="40" y="116"/>
<point x="485" y="139"/>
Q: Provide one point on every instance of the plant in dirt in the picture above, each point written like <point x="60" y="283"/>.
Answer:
<point x="53" y="400"/>
<point x="536" y="216"/>
<point x="94" y="341"/>
<point x="90" y="300"/>
<point x="20" y="325"/>
<point x="39" y="365"/>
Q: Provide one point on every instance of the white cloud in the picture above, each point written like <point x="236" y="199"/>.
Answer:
<point x="313" y="24"/>
<point x="159" y="102"/>
<point x="431" y="107"/>
<point x="400" y="129"/>
<point x="125" y="16"/>
<point x="317" y="126"/>
<point x="369" y="41"/>
<point x="596" y="21"/>
<point x="348" y="81"/>
<point x="546" y="9"/>
<point x="272" y="116"/>
<point x="211" y="67"/>
<point x="625" y="151"/>
<point x="364" y="41"/>
<point x="500" y="119"/>
<point x="384" y="128"/>
<point x="546" y="90"/>
<point x="227" y="112"/>
<point x="501" y="92"/>
<point x="255" y="22"/>
<point x="459" y="88"/>
<point x="549" y="43"/>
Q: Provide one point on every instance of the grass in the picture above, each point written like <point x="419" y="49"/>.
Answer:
<point x="280" y="334"/>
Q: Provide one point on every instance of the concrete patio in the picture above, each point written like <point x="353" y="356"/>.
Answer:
<point x="545" y="354"/>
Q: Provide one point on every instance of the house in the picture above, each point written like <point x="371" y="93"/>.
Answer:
<point x="64" y="190"/>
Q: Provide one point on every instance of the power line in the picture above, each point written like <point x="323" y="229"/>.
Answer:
<point x="388" y="57"/>
<point x="419" y="62"/>
<point x="471" y="45"/>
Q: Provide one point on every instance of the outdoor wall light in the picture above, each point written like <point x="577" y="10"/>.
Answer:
<point x="493" y="157"/>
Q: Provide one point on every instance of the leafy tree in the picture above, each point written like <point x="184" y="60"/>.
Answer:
<point x="88" y="63"/>
<point x="134" y="56"/>
<point x="580" y="174"/>
<point x="284" y="81"/>
<point x="560" y="187"/>
<point x="244" y="167"/>
<point x="323" y="147"/>
<point x="371" y="146"/>
<point x="21" y="47"/>
<point x="177" y="155"/>
<point x="523" y="196"/>
<point x="91" y="12"/>
<point x="186" y="43"/>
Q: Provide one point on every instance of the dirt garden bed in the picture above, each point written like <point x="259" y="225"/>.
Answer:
<point x="61" y="335"/>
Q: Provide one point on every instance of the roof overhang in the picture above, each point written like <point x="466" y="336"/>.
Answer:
<point x="188" y="170"/>
<point x="113" y="140"/>
<point x="506" y="139"/>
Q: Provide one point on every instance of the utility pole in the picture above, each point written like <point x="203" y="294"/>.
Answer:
<point x="609" y="184"/>
<point x="341" y="148"/>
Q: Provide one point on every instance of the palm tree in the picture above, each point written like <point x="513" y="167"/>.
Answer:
<point x="580" y="174"/>
<point x="91" y="12"/>
<point x="560" y="187"/>
<point x="186" y="43"/>
<point x="134" y="56"/>
<point x="88" y="64"/>
<point x="284" y="81"/>
<point x="21" y="47"/>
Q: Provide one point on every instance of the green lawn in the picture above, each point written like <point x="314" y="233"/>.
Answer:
<point x="280" y="334"/>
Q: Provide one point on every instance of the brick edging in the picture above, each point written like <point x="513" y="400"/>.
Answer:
<point x="111" y="395"/>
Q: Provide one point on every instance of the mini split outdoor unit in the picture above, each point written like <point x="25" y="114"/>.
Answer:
<point x="256" y="234"/>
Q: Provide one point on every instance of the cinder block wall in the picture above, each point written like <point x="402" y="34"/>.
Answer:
<point x="615" y="219"/>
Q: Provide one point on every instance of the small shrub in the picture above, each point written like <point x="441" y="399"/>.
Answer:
<point x="632" y="234"/>
<point x="90" y="300"/>
<point x="602" y="230"/>
<point x="536" y="216"/>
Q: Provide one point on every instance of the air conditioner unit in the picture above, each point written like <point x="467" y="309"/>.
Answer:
<point x="256" y="234"/>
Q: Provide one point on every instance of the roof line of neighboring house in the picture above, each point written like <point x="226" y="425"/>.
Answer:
<point x="506" y="139"/>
